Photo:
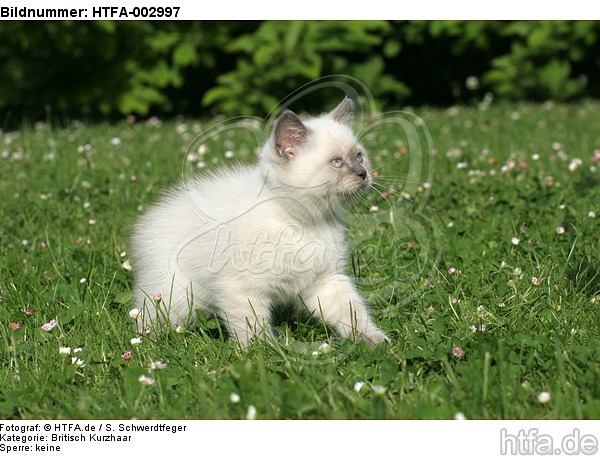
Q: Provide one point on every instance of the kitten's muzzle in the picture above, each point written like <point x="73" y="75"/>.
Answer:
<point x="360" y="171"/>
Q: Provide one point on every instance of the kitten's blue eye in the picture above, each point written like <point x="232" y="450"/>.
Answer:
<point x="359" y="157"/>
<point x="336" y="162"/>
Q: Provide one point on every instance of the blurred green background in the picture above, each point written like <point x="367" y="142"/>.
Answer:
<point x="109" y="69"/>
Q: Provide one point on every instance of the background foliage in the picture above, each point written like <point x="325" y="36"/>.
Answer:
<point x="118" y="68"/>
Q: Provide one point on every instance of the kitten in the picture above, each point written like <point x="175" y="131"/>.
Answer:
<point x="240" y="241"/>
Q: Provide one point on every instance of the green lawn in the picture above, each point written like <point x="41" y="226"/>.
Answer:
<point x="482" y="264"/>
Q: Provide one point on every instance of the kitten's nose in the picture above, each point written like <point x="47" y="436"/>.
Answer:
<point x="362" y="173"/>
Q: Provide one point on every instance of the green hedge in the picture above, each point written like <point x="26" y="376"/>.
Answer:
<point x="117" y="68"/>
<point x="108" y="68"/>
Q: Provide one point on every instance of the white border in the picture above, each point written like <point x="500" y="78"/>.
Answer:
<point x="346" y="10"/>
<point x="464" y="438"/>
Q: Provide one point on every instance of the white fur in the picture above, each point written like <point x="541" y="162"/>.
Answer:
<point x="238" y="242"/>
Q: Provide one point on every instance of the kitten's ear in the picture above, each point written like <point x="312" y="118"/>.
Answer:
<point x="290" y="133"/>
<point x="343" y="112"/>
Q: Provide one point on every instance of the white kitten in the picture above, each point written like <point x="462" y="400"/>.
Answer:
<point x="238" y="242"/>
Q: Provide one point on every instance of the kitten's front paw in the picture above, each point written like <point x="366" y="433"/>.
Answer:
<point x="375" y="337"/>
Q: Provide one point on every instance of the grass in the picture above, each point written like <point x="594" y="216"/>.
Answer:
<point x="479" y="323"/>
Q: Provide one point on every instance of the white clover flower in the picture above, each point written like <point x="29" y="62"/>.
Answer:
<point x="575" y="163"/>
<point x="379" y="390"/>
<point x="49" y="326"/>
<point x="64" y="351"/>
<point x="515" y="241"/>
<point x="454" y="152"/>
<point x="127" y="265"/>
<point x="358" y="386"/>
<point x="136" y="341"/>
<point x="324" y="348"/>
<point x="459" y="416"/>
<point x="251" y="414"/>
<point x="134" y="313"/>
<point x="543" y="397"/>
<point x="234" y="398"/>
<point x="472" y="83"/>
<point x="145" y="380"/>
<point x="157" y="365"/>
<point x="78" y="361"/>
